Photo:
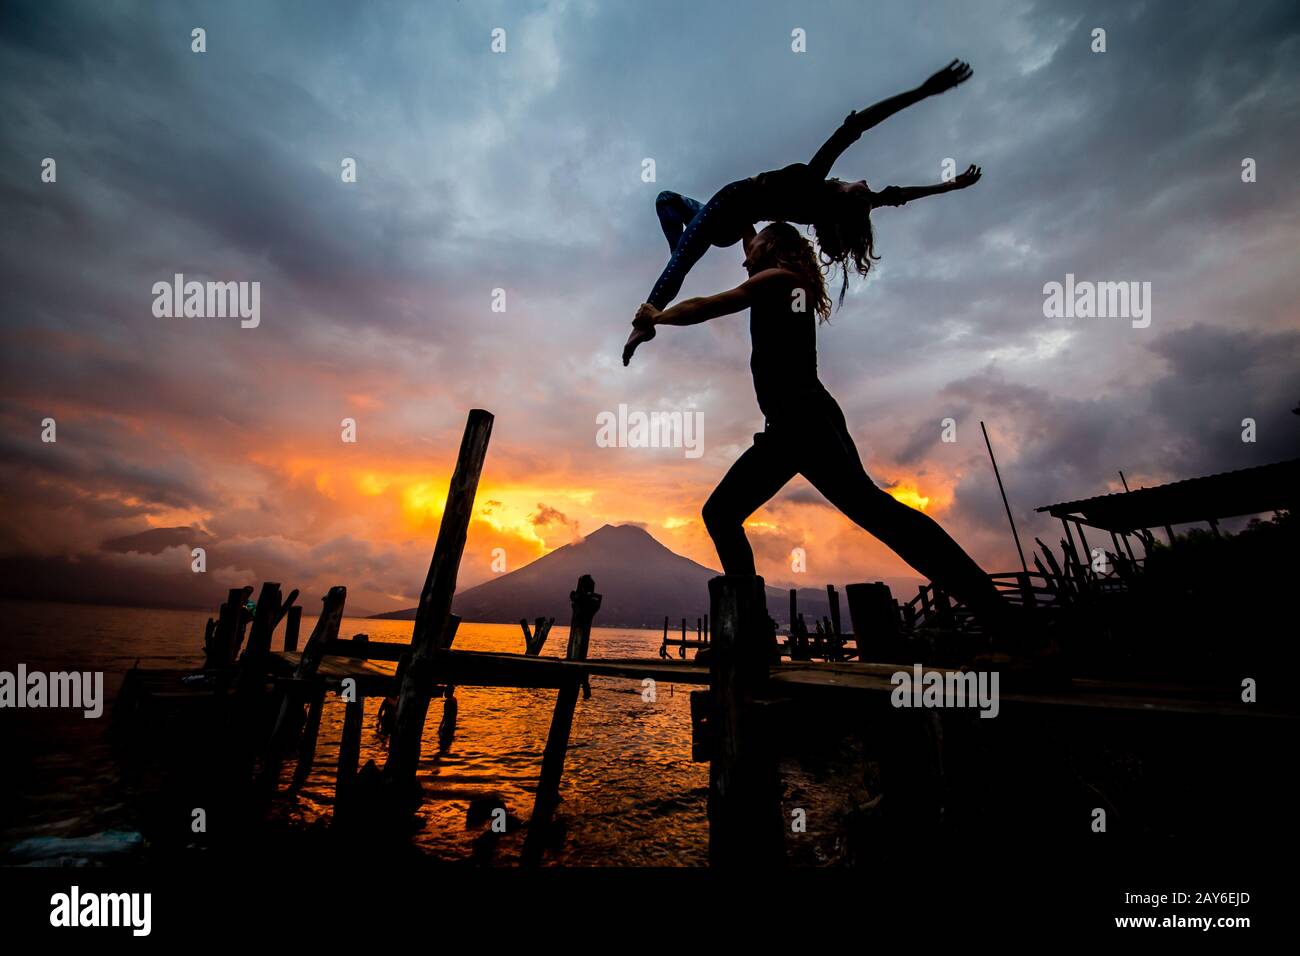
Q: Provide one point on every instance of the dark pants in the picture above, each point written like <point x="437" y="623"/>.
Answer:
<point x="691" y="228"/>
<point x="810" y="437"/>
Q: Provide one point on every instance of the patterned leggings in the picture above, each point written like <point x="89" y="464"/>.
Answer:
<point x="691" y="228"/>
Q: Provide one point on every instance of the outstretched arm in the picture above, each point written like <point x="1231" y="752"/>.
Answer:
<point x="898" y="195"/>
<point x="858" y="123"/>
<point x="705" y="307"/>
<point x="702" y="308"/>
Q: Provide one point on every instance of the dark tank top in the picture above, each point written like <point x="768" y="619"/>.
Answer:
<point x="784" y="355"/>
<point x="791" y="194"/>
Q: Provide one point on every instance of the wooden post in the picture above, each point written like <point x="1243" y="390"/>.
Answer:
<point x="349" y="752"/>
<point x="224" y="638"/>
<point x="585" y="603"/>
<point x="435" y="600"/>
<point x="290" y="718"/>
<point x="307" y="745"/>
<point x="535" y="639"/>
<point x="1127" y="547"/>
<point x="746" y="828"/>
<point x="1026" y="589"/>
<point x="833" y="599"/>
<point x="706" y="628"/>
<point x="874" y="616"/>
<point x="209" y="644"/>
<point x="1087" y="551"/>
<point x="253" y="662"/>
<point x="1069" y="536"/>
<point x="291" y="628"/>
<point x="242" y="618"/>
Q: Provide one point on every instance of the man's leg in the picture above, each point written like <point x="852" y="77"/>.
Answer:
<point x="756" y="476"/>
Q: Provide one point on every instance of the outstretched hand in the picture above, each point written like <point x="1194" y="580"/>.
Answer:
<point x="954" y="74"/>
<point x="968" y="177"/>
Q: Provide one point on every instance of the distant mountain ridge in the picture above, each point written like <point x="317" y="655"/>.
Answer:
<point x="641" y="582"/>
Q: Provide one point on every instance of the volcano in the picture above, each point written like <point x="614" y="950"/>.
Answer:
<point x="641" y="582"/>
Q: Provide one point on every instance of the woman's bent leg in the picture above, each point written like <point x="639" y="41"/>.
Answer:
<point x="756" y="476"/>
<point x="714" y="224"/>
<point x="675" y="212"/>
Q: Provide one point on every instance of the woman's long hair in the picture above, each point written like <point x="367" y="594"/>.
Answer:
<point x="846" y="238"/>
<point x="790" y="250"/>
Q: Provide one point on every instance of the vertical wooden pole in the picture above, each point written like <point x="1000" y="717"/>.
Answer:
<point x="745" y="823"/>
<point x="225" y="637"/>
<point x="431" y="619"/>
<point x="291" y="627"/>
<point x="1087" y="551"/>
<point x="349" y="752"/>
<point x="585" y="603"/>
<point x="307" y="745"/>
<point x="253" y="662"/>
<point x="833" y="599"/>
<point x="874" y="616"/>
<point x="289" y="721"/>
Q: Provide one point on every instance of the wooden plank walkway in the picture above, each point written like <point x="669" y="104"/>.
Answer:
<point x="487" y="669"/>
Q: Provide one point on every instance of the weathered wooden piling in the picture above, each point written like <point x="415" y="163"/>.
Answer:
<point x="302" y="687"/>
<point x="291" y="627"/>
<point x="833" y="600"/>
<point x="349" y="751"/>
<point x="227" y="633"/>
<point x="875" y="618"/>
<point x="745" y="822"/>
<point x="431" y="619"/>
<point x="534" y="640"/>
<point x="585" y="603"/>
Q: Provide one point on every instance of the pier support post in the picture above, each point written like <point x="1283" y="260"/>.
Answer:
<point x="291" y="628"/>
<point x="585" y="602"/>
<point x="289" y="720"/>
<point x="874" y="618"/>
<point x="432" y="617"/>
<point x="745" y="823"/>
<point x="349" y="754"/>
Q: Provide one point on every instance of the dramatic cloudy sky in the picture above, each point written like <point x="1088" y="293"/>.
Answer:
<point x="522" y="171"/>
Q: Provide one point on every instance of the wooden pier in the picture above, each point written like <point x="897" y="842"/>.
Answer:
<point x="268" y="702"/>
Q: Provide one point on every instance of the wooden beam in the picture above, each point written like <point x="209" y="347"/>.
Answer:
<point x="431" y="618"/>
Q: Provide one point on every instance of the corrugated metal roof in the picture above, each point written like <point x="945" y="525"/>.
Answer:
<point x="1223" y="495"/>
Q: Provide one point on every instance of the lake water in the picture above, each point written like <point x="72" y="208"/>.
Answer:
<point x="631" y="795"/>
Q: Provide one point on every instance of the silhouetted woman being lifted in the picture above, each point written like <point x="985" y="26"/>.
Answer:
<point x="839" y="212"/>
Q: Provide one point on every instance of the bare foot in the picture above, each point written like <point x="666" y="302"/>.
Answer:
<point x="639" y="334"/>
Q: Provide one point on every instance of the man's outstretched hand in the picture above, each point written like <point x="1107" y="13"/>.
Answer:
<point x="643" y="330"/>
